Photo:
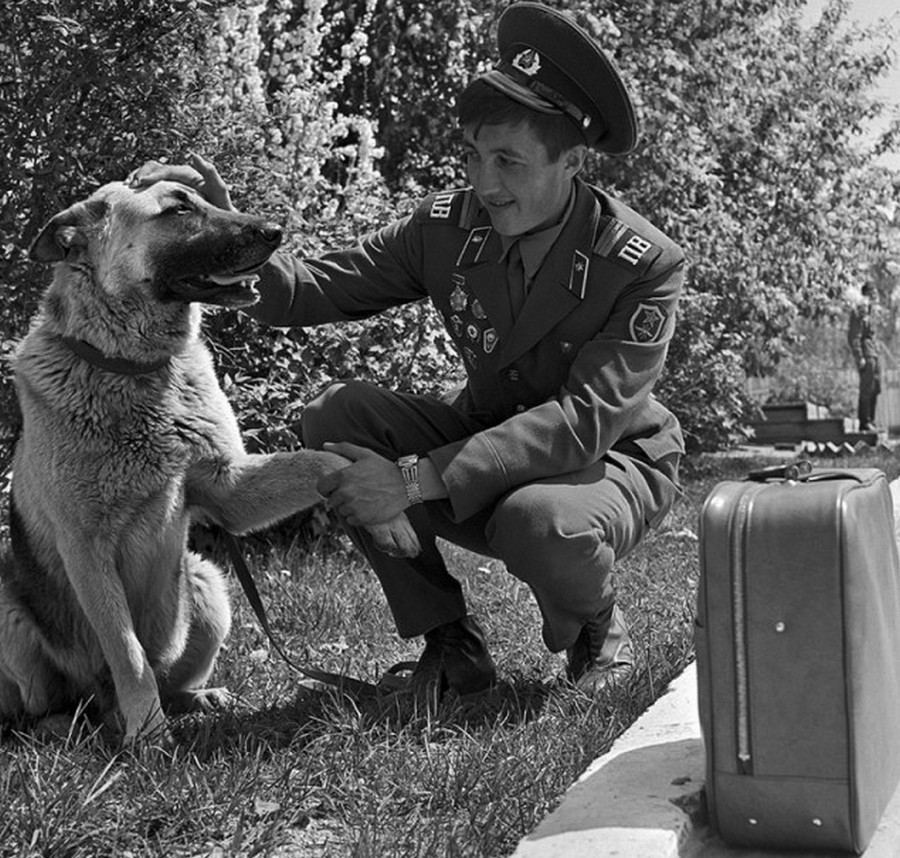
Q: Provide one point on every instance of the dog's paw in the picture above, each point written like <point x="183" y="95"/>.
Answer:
<point x="396" y="537"/>
<point x="152" y="728"/>
<point x="198" y="700"/>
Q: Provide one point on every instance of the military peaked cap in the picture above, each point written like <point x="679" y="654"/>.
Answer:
<point x="550" y="64"/>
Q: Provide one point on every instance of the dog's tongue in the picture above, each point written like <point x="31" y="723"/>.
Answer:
<point x="231" y="279"/>
<point x="225" y="292"/>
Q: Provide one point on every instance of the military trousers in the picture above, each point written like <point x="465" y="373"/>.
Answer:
<point x="869" y="388"/>
<point x="560" y="535"/>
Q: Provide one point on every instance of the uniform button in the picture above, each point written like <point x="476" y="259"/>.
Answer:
<point x="520" y="408"/>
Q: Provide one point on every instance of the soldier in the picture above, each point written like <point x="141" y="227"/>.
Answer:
<point x="864" y="347"/>
<point x="555" y="457"/>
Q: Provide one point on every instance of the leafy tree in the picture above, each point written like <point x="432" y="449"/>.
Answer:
<point x="753" y="159"/>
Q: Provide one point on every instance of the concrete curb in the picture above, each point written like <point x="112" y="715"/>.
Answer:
<point x="643" y="799"/>
<point x="629" y="801"/>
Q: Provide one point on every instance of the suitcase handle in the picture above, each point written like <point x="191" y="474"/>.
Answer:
<point x="794" y="471"/>
<point x="802" y="472"/>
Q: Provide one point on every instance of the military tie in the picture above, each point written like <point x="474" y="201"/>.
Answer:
<point x="515" y="277"/>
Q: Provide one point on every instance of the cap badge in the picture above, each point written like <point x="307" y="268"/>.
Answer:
<point x="528" y="62"/>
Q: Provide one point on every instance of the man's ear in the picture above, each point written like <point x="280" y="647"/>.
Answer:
<point x="574" y="159"/>
<point x="66" y="230"/>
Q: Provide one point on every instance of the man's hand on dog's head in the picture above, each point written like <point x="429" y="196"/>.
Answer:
<point x="198" y="173"/>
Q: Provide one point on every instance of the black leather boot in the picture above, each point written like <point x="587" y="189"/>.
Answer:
<point x="455" y="657"/>
<point x="602" y="654"/>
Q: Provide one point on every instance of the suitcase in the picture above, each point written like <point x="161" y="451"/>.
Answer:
<point x="798" y="658"/>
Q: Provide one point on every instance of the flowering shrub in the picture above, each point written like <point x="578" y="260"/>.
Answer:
<point x="270" y="119"/>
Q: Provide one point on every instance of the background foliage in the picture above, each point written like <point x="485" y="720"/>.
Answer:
<point x="335" y="115"/>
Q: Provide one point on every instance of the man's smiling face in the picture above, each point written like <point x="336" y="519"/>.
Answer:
<point x="521" y="188"/>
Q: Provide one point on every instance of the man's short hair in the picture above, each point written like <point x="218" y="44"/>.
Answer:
<point x="481" y="104"/>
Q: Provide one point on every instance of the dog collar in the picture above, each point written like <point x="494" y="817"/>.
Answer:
<point x="117" y="365"/>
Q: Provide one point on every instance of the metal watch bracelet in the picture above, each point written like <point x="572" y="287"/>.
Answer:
<point x="409" y="470"/>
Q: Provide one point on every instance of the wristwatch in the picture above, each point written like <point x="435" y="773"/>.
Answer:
<point x="409" y="470"/>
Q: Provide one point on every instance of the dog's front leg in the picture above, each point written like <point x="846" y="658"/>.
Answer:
<point x="255" y="490"/>
<point x="92" y="572"/>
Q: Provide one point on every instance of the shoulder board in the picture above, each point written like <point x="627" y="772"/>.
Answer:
<point x="459" y="207"/>
<point x="623" y="245"/>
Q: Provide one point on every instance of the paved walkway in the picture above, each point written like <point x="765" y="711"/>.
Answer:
<point x="642" y="798"/>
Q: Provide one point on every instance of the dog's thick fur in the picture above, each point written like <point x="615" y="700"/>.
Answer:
<point x="100" y="597"/>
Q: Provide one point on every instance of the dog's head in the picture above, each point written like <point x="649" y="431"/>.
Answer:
<point x="163" y="240"/>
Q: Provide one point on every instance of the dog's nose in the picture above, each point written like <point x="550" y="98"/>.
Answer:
<point x="271" y="233"/>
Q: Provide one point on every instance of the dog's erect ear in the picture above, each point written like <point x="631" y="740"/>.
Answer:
<point x="66" y="230"/>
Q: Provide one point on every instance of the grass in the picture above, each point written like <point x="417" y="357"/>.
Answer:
<point x="292" y="773"/>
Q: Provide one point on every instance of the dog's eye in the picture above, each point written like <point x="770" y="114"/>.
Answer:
<point x="178" y="208"/>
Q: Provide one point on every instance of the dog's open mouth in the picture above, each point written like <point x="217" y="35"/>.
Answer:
<point x="221" y="263"/>
<point x="226" y="288"/>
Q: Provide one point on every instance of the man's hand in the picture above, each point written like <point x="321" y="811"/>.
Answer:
<point x="368" y="491"/>
<point x="198" y="173"/>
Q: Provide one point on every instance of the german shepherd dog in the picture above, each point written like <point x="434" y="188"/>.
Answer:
<point x="126" y="437"/>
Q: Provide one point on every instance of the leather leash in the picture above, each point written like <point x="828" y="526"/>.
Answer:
<point x="356" y="687"/>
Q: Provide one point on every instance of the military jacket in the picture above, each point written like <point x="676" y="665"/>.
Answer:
<point x="556" y="388"/>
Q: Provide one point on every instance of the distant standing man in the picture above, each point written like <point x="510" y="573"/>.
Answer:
<point x="864" y="346"/>
<point x="561" y="300"/>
